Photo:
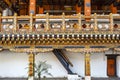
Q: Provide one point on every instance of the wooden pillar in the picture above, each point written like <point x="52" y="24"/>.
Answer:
<point x="113" y="9"/>
<point x="87" y="8"/>
<point x="33" y="6"/>
<point x="87" y="67"/>
<point x="78" y="9"/>
<point x="31" y="66"/>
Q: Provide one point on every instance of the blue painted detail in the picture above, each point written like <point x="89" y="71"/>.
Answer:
<point x="57" y="53"/>
<point x="88" y="4"/>
<point x="32" y="11"/>
<point x="22" y="46"/>
<point x="74" y="47"/>
<point x="43" y="46"/>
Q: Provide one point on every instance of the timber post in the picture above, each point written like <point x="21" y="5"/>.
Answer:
<point x="31" y="66"/>
<point x="87" y="66"/>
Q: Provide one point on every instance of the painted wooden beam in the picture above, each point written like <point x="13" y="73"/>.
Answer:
<point x="87" y="8"/>
<point x="32" y="7"/>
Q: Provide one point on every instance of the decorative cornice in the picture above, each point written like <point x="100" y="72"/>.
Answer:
<point x="87" y="50"/>
<point x="31" y="50"/>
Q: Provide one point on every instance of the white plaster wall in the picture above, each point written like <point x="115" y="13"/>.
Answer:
<point x="118" y="66"/>
<point x="13" y="64"/>
<point x="57" y="69"/>
<point x="78" y="61"/>
<point x="98" y="65"/>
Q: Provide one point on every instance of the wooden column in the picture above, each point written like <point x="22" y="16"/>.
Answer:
<point x="87" y="66"/>
<point x="78" y="9"/>
<point x="87" y="8"/>
<point x="113" y="9"/>
<point x="33" y="6"/>
<point x="31" y="66"/>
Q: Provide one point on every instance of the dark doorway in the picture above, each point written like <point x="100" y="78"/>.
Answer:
<point x="111" y="65"/>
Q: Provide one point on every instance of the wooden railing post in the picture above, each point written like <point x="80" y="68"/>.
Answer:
<point x="79" y="22"/>
<point x="63" y="21"/>
<point x="15" y="22"/>
<point x="95" y="22"/>
<point x="31" y="22"/>
<point x="111" y="22"/>
<point x="47" y="22"/>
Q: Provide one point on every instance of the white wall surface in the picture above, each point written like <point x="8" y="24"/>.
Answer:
<point x="78" y="62"/>
<point x="98" y="65"/>
<point x="14" y="64"/>
<point x="57" y="69"/>
<point x="118" y="66"/>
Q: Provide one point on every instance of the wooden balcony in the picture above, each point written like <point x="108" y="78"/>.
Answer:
<point x="48" y="31"/>
<point x="60" y="24"/>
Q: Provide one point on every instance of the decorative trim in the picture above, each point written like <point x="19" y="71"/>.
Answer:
<point x="33" y="50"/>
<point x="87" y="50"/>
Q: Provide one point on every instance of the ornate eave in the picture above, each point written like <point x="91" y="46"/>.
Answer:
<point x="59" y="40"/>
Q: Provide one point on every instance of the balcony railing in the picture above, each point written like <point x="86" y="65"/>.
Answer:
<point x="60" y="24"/>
